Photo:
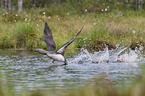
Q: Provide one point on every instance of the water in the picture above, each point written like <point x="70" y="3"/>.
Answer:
<point x="31" y="71"/>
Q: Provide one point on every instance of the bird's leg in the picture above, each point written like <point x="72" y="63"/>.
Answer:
<point x="53" y="61"/>
<point x="65" y="62"/>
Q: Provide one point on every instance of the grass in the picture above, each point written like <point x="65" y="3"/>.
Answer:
<point x="119" y="27"/>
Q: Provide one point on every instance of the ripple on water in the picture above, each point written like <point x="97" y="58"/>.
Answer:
<point x="34" y="71"/>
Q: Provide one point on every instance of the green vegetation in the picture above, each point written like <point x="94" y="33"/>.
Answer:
<point x="116" y="21"/>
<point x="25" y="30"/>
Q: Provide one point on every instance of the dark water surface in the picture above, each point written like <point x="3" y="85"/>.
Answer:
<point x="31" y="71"/>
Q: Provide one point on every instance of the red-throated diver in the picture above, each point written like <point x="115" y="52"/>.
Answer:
<point x="51" y="53"/>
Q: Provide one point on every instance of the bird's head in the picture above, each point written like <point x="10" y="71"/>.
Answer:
<point x="41" y="51"/>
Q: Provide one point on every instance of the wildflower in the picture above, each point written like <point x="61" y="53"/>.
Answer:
<point x="25" y="19"/>
<point x="43" y="12"/>
<point x="133" y="31"/>
<point x="49" y="17"/>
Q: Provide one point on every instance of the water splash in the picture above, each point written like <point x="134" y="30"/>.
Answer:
<point x="125" y="55"/>
<point x="29" y="70"/>
<point x="83" y="56"/>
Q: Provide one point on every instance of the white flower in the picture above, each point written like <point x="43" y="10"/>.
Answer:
<point x="43" y="12"/>
<point x="25" y="19"/>
<point x="49" y="17"/>
<point x="133" y="31"/>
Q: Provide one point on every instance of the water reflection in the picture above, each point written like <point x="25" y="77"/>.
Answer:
<point x="29" y="70"/>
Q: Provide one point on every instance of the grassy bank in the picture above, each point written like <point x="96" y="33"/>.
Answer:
<point x="25" y="30"/>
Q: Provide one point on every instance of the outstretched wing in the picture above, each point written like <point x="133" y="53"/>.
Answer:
<point x="48" y="38"/>
<point x="61" y="50"/>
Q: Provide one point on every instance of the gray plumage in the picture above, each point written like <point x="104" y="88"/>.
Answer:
<point x="55" y="55"/>
<point x="49" y="39"/>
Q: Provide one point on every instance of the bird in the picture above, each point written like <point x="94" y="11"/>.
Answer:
<point x="57" y="55"/>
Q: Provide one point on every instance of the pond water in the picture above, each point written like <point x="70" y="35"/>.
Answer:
<point x="31" y="71"/>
